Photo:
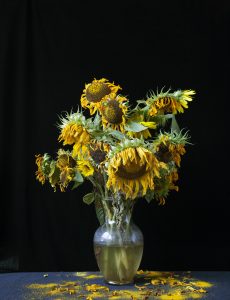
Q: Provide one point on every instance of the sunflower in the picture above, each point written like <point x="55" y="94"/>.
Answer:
<point x="113" y="111"/>
<point x="164" y="184"/>
<point x="97" y="91"/>
<point x="73" y="131"/>
<point x="132" y="171"/>
<point x="67" y="165"/>
<point x="166" y="102"/>
<point x="170" y="147"/>
<point x="85" y="167"/>
<point x="40" y="176"/>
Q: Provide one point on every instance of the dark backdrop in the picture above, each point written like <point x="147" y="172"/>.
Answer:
<point x="49" y="49"/>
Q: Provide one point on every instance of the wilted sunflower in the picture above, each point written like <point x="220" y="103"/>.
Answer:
<point x="40" y="176"/>
<point x="67" y="165"/>
<point x="113" y="111"/>
<point x="166" y="102"/>
<point x="164" y="185"/>
<point x="73" y="131"/>
<point x="97" y="91"/>
<point x="85" y="167"/>
<point x="132" y="171"/>
<point x="170" y="147"/>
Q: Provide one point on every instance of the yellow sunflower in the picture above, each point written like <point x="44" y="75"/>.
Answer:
<point x="67" y="166"/>
<point x="113" y="111"/>
<point x="169" y="102"/>
<point x="40" y="176"/>
<point x="170" y="147"/>
<point x="85" y="167"/>
<point x="132" y="171"/>
<point x="97" y="91"/>
<point x="73" y="131"/>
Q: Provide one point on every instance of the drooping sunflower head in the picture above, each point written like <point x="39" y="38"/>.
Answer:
<point x="164" y="184"/>
<point x="43" y="165"/>
<point x="95" y="92"/>
<point x="168" y="102"/>
<point x="67" y="166"/>
<point x="170" y="146"/>
<point x="113" y="111"/>
<point x="74" y="131"/>
<point x="131" y="171"/>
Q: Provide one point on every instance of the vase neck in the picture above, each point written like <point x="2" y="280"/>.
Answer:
<point x="118" y="210"/>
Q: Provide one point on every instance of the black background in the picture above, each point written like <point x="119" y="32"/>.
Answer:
<point x="49" y="50"/>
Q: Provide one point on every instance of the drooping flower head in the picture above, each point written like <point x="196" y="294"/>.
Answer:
<point x="170" y="146"/>
<point x="43" y="165"/>
<point x="74" y="131"/>
<point x="97" y="91"/>
<point x="67" y="166"/>
<point x="167" y="102"/>
<point x="132" y="169"/>
<point x="113" y="111"/>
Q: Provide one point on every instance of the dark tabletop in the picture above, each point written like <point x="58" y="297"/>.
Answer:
<point x="90" y="285"/>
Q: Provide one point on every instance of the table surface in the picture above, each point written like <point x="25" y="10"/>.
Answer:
<point x="90" y="285"/>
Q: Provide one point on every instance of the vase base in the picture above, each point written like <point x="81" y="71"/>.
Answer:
<point x="119" y="283"/>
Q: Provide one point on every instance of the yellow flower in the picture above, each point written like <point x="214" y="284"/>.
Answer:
<point x="113" y="111"/>
<point x="132" y="171"/>
<point x="97" y="91"/>
<point x="75" y="134"/>
<point x="170" y="147"/>
<point x="169" y="102"/>
<point x="67" y="166"/>
<point x="85" y="167"/>
<point x="40" y="176"/>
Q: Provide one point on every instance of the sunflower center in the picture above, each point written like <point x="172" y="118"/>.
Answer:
<point x="131" y="170"/>
<point x="112" y="112"/>
<point x="98" y="155"/>
<point x="96" y="91"/>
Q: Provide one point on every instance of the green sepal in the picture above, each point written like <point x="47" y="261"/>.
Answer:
<point x="149" y="196"/>
<point x="174" y="125"/>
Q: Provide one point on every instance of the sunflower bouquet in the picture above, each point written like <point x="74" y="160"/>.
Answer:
<point x="133" y="151"/>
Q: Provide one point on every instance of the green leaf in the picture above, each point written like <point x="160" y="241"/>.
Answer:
<point x="89" y="198"/>
<point x="78" y="180"/>
<point x="78" y="177"/>
<point x="117" y="134"/>
<point x="54" y="175"/>
<point x="174" y="125"/>
<point x="99" y="209"/>
<point x="135" y="127"/>
<point x="97" y="120"/>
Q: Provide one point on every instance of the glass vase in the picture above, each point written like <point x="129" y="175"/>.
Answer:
<point x="118" y="243"/>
